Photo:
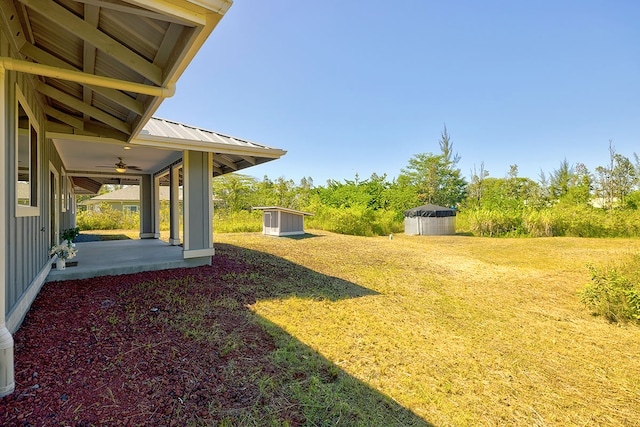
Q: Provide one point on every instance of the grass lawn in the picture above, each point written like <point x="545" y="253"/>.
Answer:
<point x="463" y="331"/>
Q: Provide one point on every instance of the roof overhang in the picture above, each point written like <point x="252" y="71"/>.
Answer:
<point x="102" y="68"/>
<point x="160" y="144"/>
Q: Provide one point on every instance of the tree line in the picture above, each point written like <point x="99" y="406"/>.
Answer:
<point x="570" y="200"/>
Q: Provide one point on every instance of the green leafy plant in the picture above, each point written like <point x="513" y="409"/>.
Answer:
<point x="70" y="234"/>
<point x="614" y="291"/>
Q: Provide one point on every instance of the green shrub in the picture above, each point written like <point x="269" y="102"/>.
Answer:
<point x="560" y="220"/>
<point x="614" y="291"/>
<point x="237" y="222"/>
<point x="579" y="221"/>
<point x="538" y="223"/>
<point x="493" y="222"/>
<point x="354" y="220"/>
<point x="107" y="218"/>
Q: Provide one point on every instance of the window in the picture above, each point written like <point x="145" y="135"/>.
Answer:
<point x="131" y="208"/>
<point x="26" y="159"/>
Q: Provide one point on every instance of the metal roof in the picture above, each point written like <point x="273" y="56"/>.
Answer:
<point x="231" y="154"/>
<point x="429" y="210"/>
<point x="281" y="209"/>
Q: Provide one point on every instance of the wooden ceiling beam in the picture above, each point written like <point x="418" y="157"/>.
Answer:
<point x="11" y="21"/>
<point x="72" y="121"/>
<point x="77" y="104"/>
<point x="251" y="160"/>
<point x="220" y="158"/>
<point x="100" y="40"/>
<point x="218" y="170"/>
<point x="92" y="16"/>
<point x="139" y="11"/>
<point x="120" y="98"/>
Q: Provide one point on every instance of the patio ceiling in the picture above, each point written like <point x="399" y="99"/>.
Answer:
<point x="103" y="67"/>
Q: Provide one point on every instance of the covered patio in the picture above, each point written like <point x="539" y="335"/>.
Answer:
<point x="115" y="257"/>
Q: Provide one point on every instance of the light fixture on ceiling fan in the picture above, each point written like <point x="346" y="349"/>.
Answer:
<point x="121" y="167"/>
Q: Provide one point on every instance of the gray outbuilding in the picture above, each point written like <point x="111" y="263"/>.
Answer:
<point x="278" y="221"/>
<point x="430" y="220"/>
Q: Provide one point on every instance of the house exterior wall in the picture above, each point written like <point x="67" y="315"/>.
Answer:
<point x="28" y="237"/>
<point x="430" y="226"/>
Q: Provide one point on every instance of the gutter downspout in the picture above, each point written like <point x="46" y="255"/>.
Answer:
<point x="85" y="78"/>
<point x="7" y="380"/>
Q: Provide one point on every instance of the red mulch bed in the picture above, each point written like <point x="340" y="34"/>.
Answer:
<point x="109" y="351"/>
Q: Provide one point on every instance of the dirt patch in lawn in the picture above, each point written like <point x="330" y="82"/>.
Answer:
<point x="177" y="347"/>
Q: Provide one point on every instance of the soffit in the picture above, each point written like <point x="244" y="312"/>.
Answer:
<point x="142" y="42"/>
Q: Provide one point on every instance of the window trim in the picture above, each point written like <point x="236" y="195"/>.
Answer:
<point x="23" y="210"/>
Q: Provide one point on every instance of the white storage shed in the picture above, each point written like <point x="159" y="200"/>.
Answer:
<point x="278" y="221"/>
<point x="430" y="220"/>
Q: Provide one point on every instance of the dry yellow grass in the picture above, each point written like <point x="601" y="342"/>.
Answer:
<point x="467" y="331"/>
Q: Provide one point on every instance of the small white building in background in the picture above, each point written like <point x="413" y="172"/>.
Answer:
<point x="278" y="221"/>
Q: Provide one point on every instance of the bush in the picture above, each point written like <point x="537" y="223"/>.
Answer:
<point x="538" y="223"/>
<point x="354" y="220"/>
<point x="493" y="222"/>
<point x="560" y="220"/>
<point x="107" y="218"/>
<point x="614" y="291"/>
<point x="237" y="222"/>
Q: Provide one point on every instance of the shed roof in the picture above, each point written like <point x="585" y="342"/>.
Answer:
<point x="281" y="209"/>
<point x="429" y="210"/>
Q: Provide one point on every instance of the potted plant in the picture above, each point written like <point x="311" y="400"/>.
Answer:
<point x="64" y="252"/>
<point x="67" y="249"/>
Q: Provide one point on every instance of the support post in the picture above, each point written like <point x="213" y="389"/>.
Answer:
<point x="198" y="205"/>
<point x="147" y="208"/>
<point x="174" y="208"/>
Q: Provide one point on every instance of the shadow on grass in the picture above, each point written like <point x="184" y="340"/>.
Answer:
<point x="183" y="347"/>
<point x="265" y="276"/>
<point x="302" y="236"/>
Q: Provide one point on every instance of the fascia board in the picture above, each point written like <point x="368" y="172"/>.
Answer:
<point x="83" y="138"/>
<point x="172" y="76"/>
<point x="207" y="147"/>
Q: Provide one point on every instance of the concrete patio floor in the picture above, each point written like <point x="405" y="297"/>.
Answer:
<point x="115" y="257"/>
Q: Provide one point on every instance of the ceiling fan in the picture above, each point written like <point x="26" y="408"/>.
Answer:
<point x="121" y="166"/>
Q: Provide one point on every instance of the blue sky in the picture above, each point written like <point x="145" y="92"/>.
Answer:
<point x="350" y="87"/>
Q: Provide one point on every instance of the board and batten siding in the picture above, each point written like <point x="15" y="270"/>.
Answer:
<point x="291" y="222"/>
<point x="27" y="238"/>
<point x="279" y="221"/>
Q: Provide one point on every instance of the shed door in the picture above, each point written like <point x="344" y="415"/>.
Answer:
<point x="270" y="223"/>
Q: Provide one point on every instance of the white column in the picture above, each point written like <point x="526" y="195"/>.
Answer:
<point x="198" y="204"/>
<point x="148" y="208"/>
<point x="174" y="208"/>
